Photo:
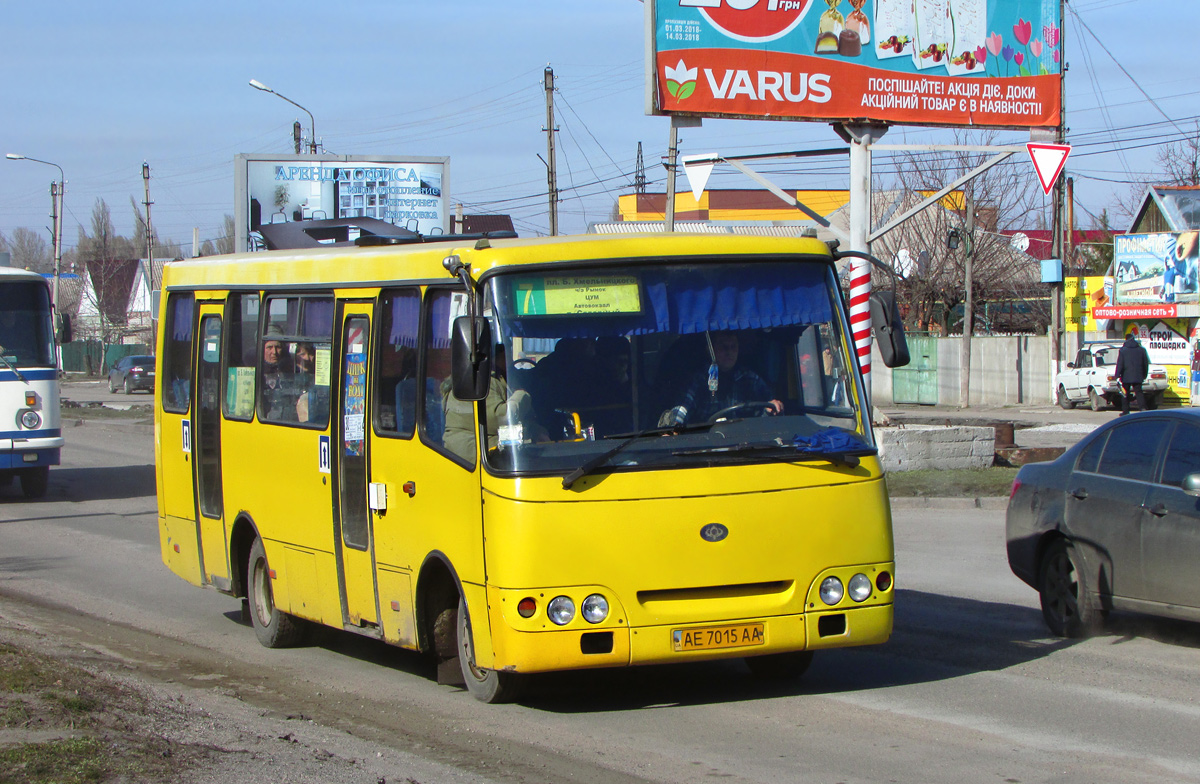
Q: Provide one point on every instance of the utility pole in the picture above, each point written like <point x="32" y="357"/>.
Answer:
<point x="56" y="194"/>
<point x="551" y="174"/>
<point x="968" y="304"/>
<point x="149" y="247"/>
<point x="639" y="177"/>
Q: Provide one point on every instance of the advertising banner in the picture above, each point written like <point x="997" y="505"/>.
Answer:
<point x="408" y="192"/>
<point x="1155" y="268"/>
<point x="1082" y="296"/>
<point x="994" y="63"/>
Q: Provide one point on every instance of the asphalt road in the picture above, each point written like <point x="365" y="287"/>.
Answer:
<point x="970" y="688"/>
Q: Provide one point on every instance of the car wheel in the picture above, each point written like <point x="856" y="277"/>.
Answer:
<point x="484" y="685"/>
<point x="273" y="627"/>
<point x="1068" y="606"/>
<point x="34" y="481"/>
<point x="1153" y="401"/>
<point x="1063" y="401"/>
<point x="128" y="386"/>
<point x="111" y="386"/>
<point x="779" y="666"/>
<point x="1096" y="399"/>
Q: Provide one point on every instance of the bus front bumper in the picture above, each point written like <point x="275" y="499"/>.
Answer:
<point x="30" y="452"/>
<point x="580" y="648"/>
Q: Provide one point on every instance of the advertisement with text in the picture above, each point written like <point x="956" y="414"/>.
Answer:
<point x="995" y="63"/>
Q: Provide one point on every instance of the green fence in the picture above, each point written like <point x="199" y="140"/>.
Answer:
<point x="93" y="358"/>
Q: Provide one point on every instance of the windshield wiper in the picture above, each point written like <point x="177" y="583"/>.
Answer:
<point x="604" y="457"/>
<point x="11" y="366"/>
<point x="846" y="457"/>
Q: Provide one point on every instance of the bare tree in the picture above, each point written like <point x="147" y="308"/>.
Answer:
<point x="29" y="250"/>
<point x="1180" y="161"/>
<point x="932" y="281"/>
<point x="224" y="243"/>
<point x="109" y="261"/>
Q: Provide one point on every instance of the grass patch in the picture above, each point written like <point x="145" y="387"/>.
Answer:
<point x="65" y="725"/>
<point x="951" y="483"/>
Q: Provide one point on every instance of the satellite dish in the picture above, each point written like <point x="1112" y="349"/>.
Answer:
<point x="1020" y="241"/>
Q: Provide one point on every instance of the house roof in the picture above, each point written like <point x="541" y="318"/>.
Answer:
<point x="1178" y="204"/>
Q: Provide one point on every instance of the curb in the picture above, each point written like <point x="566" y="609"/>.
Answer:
<point x="926" y="502"/>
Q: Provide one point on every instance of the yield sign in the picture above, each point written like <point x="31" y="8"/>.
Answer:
<point x="1048" y="161"/>
<point x="697" y="168"/>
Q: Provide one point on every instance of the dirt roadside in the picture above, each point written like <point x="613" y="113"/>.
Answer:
<point x="141" y="708"/>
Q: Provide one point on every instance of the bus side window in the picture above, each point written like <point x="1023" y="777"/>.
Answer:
<point x="397" y="371"/>
<point x="177" y="362"/>
<point x="241" y="347"/>
<point x="458" y="435"/>
<point x="295" y="353"/>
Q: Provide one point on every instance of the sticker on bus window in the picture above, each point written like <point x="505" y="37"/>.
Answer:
<point x="321" y="366"/>
<point x="569" y="295"/>
<point x="240" y="391"/>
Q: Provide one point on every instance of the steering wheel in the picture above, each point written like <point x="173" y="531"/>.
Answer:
<point x="524" y="362"/>
<point x="756" y="407"/>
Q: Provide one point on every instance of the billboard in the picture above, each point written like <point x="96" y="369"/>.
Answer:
<point x="995" y="63"/>
<point x="1159" y="269"/>
<point x="407" y="192"/>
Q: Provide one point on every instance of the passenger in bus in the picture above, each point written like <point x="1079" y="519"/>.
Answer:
<point x="723" y="385"/>
<point x="612" y="410"/>
<point x="312" y="402"/>
<point x="278" y="390"/>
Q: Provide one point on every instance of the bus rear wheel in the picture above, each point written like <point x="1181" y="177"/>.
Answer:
<point x="779" y="666"/>
<point x="484" y="685"/>
<point x="34" y="481"/>
<point x="273" y="627"/>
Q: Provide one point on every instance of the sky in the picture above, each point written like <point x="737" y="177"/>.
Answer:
<point x="100" y="88"/>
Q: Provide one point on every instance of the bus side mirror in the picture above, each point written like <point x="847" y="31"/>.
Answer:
<point x="470" y="357"/>
<point x="889" y="329"/>
<point x="1191" y="485"/>
<point x="64" y="329"/>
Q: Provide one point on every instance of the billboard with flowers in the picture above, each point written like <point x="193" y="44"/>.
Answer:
<point x="995" y="63"/>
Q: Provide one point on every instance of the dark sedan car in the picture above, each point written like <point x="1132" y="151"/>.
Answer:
<point x="1113" y="524"/>
<point x="130" y="373"/>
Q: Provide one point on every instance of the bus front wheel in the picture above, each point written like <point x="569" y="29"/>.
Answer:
<point x="779" y="666"/>
<point x="34" y="481"/>
<point x="484" y="685"/>
<point x="273" y="627"/>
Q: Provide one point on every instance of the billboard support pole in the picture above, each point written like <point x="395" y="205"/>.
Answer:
<point x="677" y="122"/>
<point x="861" y="137"/>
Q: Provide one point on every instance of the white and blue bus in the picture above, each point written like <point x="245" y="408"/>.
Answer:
<point x="30" y="431"/>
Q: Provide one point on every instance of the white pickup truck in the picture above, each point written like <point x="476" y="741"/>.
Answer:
<point x="1092" y="378"/>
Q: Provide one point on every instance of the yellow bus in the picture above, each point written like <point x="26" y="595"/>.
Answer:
<point x="521" y="456"/>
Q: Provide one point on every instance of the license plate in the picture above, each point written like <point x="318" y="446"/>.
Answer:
<point x="713" y="637"/>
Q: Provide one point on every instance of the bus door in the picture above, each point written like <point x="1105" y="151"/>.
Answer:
<point x="206" y="446"/>
<point x="176" y="493"/>
<point x="354" y="545"/>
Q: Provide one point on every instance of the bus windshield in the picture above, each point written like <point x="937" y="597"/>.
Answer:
<point x="680" y="365"/>
<point x="26" y="332"/>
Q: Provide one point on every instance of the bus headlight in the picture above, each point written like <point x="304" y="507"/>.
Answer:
<point x="561" y="610"/>
<point x="860" y="587"/>
<point x="595" y="608"/>
<point x="30" y="420"/>
<point x="831" y="590"/>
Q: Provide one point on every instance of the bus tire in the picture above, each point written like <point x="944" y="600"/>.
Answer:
<point x="273" y="627"/>
<point x="34" y="481"/>
<point x="490" y="686"/>
<point x="779" y="666"/>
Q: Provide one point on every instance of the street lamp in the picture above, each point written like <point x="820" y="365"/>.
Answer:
<point x="312" y="143"/>
<point x="56" y="197"/>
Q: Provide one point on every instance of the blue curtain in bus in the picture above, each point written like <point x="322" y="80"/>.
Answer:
<point x="318" y="318"/>
<point x="439" y="319"/>
<point x="749" y="296"/>
<point x="181" y="319"/>
<point x="406" y="318"/>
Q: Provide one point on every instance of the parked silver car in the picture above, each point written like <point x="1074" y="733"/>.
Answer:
<point x="1112" y="524"/>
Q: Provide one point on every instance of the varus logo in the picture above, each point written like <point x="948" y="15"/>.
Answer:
<point x="769" y="85"/>
<point x="751" y="20"/>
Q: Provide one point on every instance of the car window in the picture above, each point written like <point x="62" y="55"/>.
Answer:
<point x="1089" y="458"/>
<point x="1084" y="360"/>
<point x="1131" y="449"/>
<point x="1183" y="455"/>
